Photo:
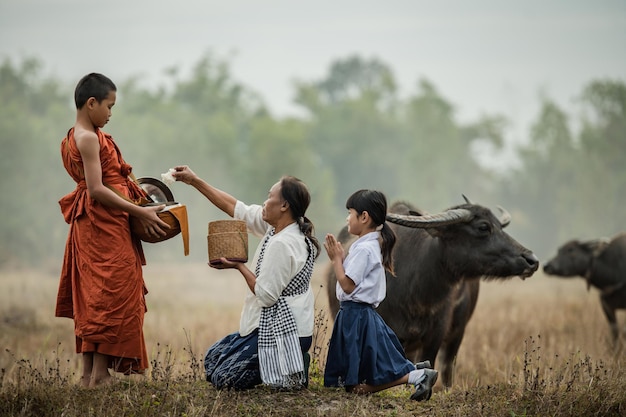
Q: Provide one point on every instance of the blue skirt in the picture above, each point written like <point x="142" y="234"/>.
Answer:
<point x="363" y="349"/>
<point x="233" y="362"/>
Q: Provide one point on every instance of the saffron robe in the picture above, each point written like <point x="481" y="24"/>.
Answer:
<point x="101" y="285"/>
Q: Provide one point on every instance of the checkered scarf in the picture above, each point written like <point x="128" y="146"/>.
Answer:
<point x="280" y="355"/>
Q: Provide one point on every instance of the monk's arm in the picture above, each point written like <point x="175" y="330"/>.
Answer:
<point x="89" y="148"/>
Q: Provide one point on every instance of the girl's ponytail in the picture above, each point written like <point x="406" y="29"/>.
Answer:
<point x="388" y="240"/>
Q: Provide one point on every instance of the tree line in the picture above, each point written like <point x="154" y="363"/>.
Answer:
<point x="356" y="131"/>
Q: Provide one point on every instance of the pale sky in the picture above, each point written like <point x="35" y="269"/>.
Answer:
<point x="484" y="56"/>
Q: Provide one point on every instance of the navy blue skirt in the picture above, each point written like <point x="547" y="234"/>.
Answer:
<point x="233" y="362"/>
<point x="363" y="349"/>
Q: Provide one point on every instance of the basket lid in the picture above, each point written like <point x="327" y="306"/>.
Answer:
<point x="157" y="191"/>
<point x="223" y="226"/>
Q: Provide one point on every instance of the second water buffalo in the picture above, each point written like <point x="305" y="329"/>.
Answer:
<point x="600" y="262"/>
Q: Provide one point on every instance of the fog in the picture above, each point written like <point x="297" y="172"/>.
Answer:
<point x="485" y="56"/>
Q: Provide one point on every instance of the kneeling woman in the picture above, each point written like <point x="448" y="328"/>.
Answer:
<point x="276" y="327"/>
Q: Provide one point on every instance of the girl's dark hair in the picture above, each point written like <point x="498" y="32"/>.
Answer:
<point x="93" y="85"/>
<point x="375" y="203"/>
<point x="296" y="193"/>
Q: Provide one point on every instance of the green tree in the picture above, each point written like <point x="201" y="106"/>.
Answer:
<point x="32" y="109"/>
<point x="369" y="138"/>
<point x="603" y="148"/>
<point x="434" y="159"/>
<point x="353" y="127"/>
<point x="573" y="186"/>
<point x="542" y="188"/>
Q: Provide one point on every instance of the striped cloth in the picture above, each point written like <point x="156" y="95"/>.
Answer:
<point x="280" y="355"/>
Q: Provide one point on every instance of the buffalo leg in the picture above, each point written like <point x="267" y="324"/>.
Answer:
<point x="609" y="313"/>
<point x="466" y="298"/>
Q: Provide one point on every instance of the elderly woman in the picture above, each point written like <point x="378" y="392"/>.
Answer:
<point x="276" y="327"/>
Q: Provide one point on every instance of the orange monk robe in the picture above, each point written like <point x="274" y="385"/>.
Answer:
<point x="102" y="286"/>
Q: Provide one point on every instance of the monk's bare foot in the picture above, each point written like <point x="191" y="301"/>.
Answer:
<point x="85" y="380"/>
<point x="100" y="381"/>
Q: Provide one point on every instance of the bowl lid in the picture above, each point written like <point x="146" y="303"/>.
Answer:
<point x="157" y="191"/>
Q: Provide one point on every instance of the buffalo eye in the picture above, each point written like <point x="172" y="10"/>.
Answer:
<point x="484" y="227"/>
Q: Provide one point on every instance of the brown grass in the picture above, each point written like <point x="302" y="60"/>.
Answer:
<point x="533" y="348"/>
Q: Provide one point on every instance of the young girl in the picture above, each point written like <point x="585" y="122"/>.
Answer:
<point x="364" y="354"/>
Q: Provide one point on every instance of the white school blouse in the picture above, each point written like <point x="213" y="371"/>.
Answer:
<point x="364" y="266"/>
<point x="285" y="255"/>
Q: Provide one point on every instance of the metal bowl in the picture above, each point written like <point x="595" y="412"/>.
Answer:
<point x="157" y="191"/>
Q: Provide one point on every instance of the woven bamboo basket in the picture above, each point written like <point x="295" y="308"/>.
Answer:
<point x="227" y="239"/>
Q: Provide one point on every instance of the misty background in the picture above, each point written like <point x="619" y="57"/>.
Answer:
<point x="518" y="104"/>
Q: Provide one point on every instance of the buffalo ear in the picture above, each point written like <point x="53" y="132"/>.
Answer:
<point x="435" y="231"/>
<point x="596" y="246"/>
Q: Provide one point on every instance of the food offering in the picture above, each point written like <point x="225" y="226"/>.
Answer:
<point x="227" y="239"/>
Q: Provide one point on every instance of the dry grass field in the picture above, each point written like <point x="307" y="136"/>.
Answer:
<point x="534" y="347"/>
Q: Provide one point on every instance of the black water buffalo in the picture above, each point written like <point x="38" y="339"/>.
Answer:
<point x="602" y="263"/>
<point x="439" y="260"/>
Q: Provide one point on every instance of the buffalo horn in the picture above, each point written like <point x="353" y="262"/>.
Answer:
<point x="467" y="200"/>
<point x="431" y="220"/>
<point x="505" y="217"/>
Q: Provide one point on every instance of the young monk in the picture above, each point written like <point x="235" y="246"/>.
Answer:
<point x="101" y="285"/>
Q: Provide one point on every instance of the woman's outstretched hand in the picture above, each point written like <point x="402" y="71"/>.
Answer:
<point x="184" y="173"/>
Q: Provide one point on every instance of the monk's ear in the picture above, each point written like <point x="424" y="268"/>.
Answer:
<point x="91" y="102"/>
